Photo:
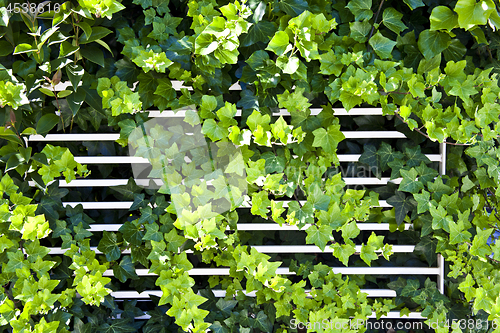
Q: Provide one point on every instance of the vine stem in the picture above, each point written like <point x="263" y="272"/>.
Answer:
<point x="428" y="137"/>
<point x="376" y="18"/>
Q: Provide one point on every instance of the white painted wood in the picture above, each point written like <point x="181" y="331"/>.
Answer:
<point x="221" y="271"/>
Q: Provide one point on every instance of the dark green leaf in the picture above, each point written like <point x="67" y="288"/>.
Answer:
<point x="46" y="123"/>
<point x="93" y="54"/>
<point x="401" y="204"/>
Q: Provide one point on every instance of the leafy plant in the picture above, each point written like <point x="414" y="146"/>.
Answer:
<point x="430" y="66"/>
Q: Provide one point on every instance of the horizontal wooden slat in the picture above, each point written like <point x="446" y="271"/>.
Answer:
<point x="264" y="227"/>
<point x="222" y="293"/>
<point x="280" y="112"/>
<point x="142" y="160"/>
<point x="272" y="249"/>
<point x="285" y="271"/>
<point x="145" y="182"/>
<point x="128" y="204"/>
<point x="389" y="315"/>
<point x="116" y="136"/>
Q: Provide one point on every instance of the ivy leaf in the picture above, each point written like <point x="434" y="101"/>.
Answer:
<point x="443" y="18"/>
<point x="440" y="218"/>
<point x="432" y="43"/>
<point x="402" y="205"/>
<point x="423" y="200"/>
<point x="328" y="139"/>
<point x="212" y="129"/>
<point x="382" y="45"/>
<point x="280" y="43"/>
<point x="458" y="234"/>
<point x="319" y="236"/>
<point x="263" y="323"/>
<point x="109" y="246"/>
<point x="472" y="13"/>
<point x="293" y="7"/>
<point x="371" y="158"/>
<point x="117" y="326"/>
<point x="415" y="156"/>
<point x="409" y="182"/>
<point x="427" y="247"/>
<point x="368" y="254"/>
<point x="479" y="244"/>
<point x="259" y="32"/>
<point x="464" y="90"/>
<point x="125" y="270"/>
<point x="343" y="251"/>
<point x="392" y="20"/>
<point x="132" y="232"/>
<point x="260" y="202"/>
<point x="128" y="191"/>
<point x="414" y="3"/>
<point x="361" y="9"/>
<point x="412" y="286"/>
<point x="387" y="154"/>
<point x="273" y="163"/>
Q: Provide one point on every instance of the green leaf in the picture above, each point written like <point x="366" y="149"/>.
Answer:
<point x="432" y="43"/>
<point x="260" y="202"/>
<point x="97" y="33"/>
<point x="93" y="54"/>
<point x="361" y="9"/>
<point x="66" y="49"/>
<point x="401" y="204"/>
<point x="64" y="93"/>
<point x="127" y="191"/>
<point x="440" y="218"/>
<point x="386" y="155"/>
<point x="24" y="48"/>
<point x="392" y="20"/>
<point x="414" y="3"/>
<point x="213" y="130"/>
<point x="328" y="139"/>
<point x="293" y="7"/>
<point x="458" y="234"/>
<point x="427" y="247"/>
<point x="75" y="100"/>
<point x="259" y="32"/>
<point x="125" y="270"/>
<point x="109" y="246"/>
<point x="368" y="254"/>
<point x="46" y="123"/>
<point x="412" y="286"/>
<point x="319" y="236"/>
<point x="4" y="17"/>
<point x="382" y="45"/>
<point x="443" y="18"/>
<point x="280" y="43"/>
<point x="75" y="74"/>
<point x="409" y="182"/>
<point x="343" y="252"/>
<point x="472" y="13"/>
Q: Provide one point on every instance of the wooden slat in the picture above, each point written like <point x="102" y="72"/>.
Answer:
<point x="145" y="182"/>
<point x="142" y="160"/>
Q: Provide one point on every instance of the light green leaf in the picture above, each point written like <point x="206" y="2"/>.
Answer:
<point x="472" y="13"/>
<point x="361" y="9"/>
<point x="443" y="18"/>
<point x="280" y="43"/>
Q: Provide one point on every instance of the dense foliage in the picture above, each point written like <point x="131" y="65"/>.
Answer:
<point x="429" y="64"/>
